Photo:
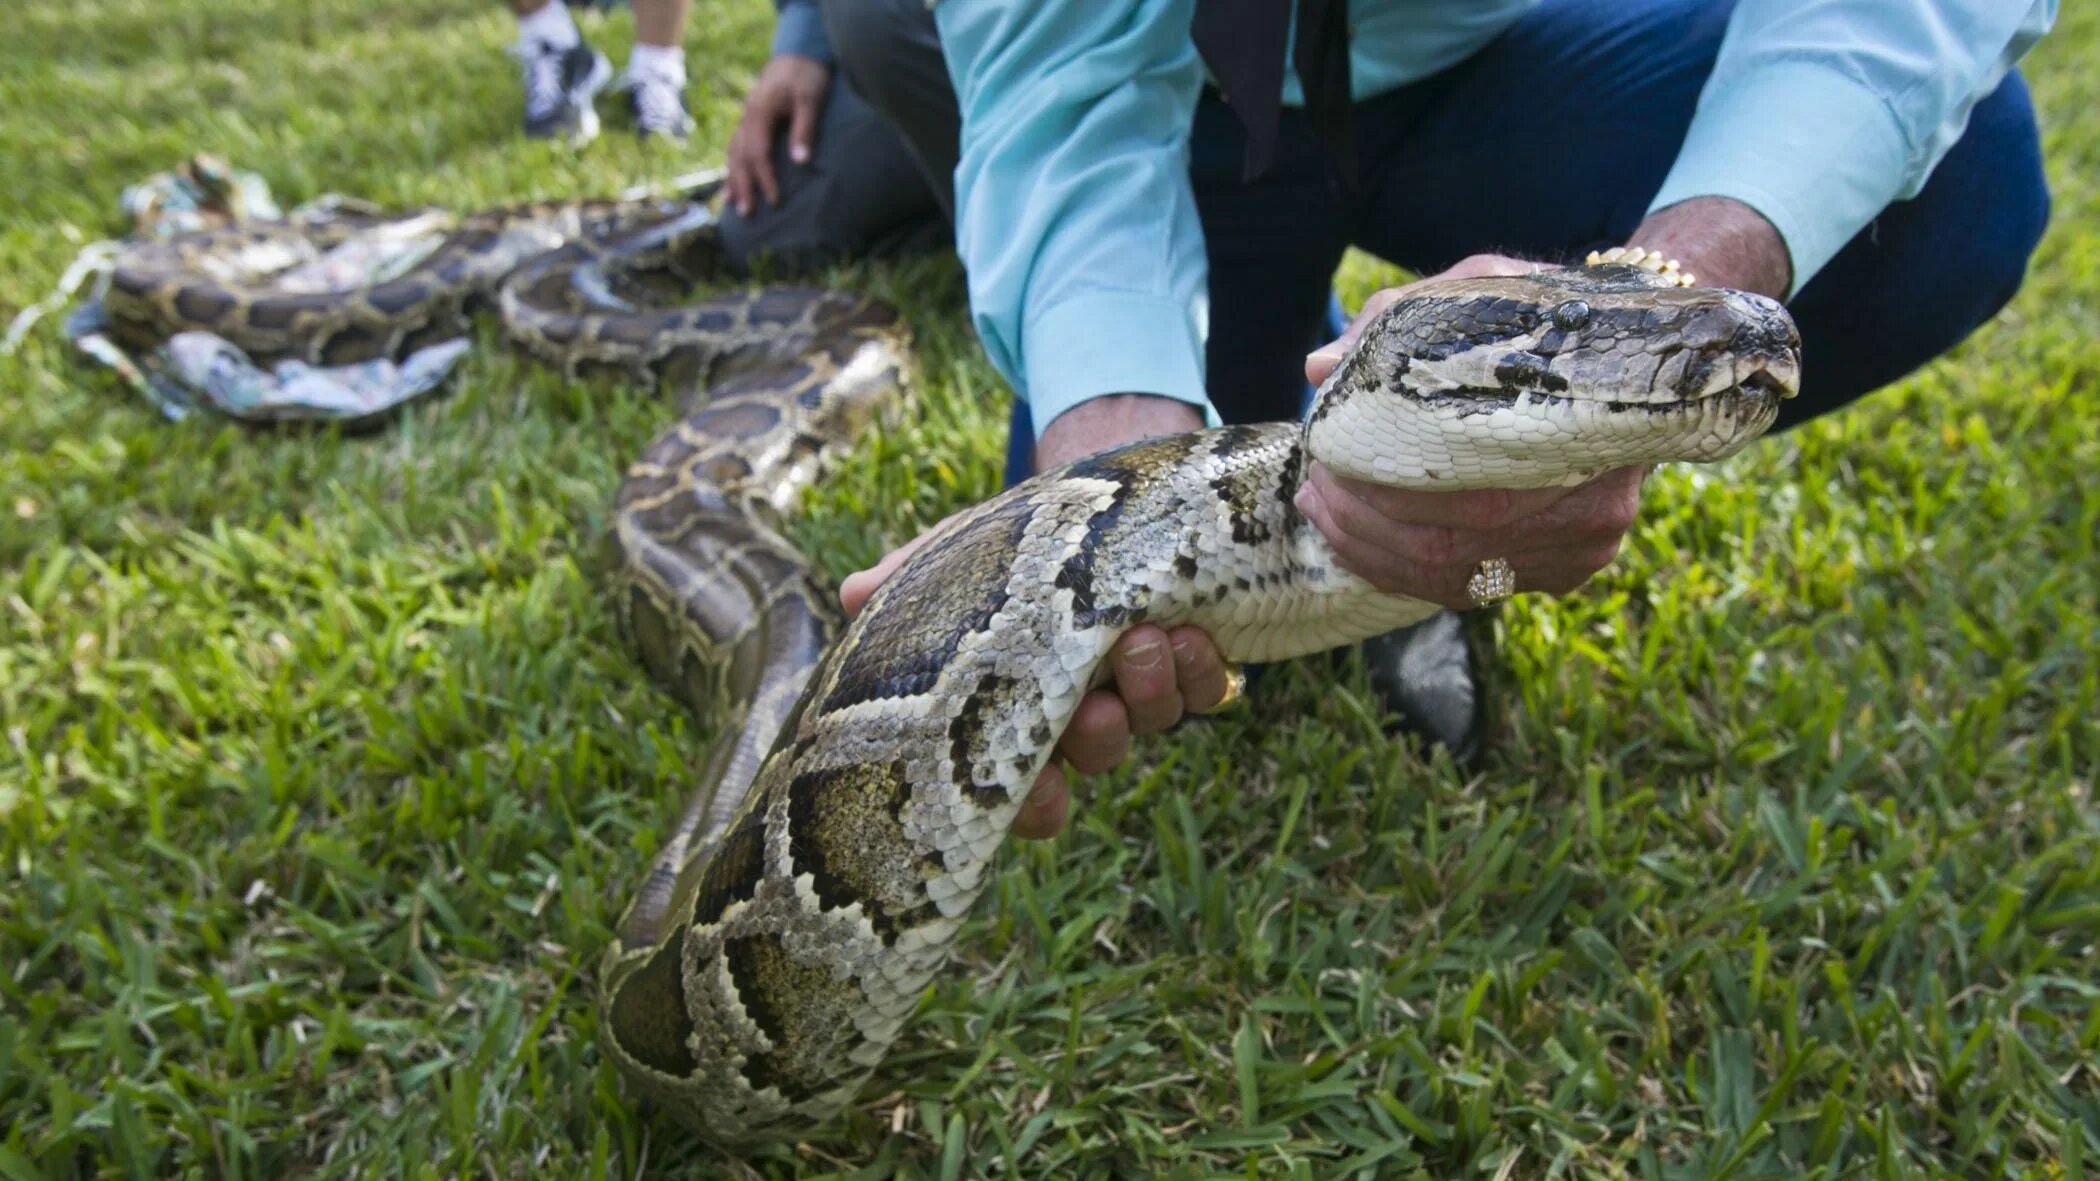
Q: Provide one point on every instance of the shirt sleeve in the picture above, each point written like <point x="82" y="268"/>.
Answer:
<point x="1819" y="113"/>
<point x="799" y="29"/>
<point x="1075" y="218"/>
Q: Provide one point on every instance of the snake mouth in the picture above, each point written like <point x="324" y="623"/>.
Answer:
<point x="1757" y="377"/>
<point x="1776" y="381"/>
<point x="1764" y="382"/>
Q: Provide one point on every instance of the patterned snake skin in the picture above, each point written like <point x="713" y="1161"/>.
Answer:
<point x="843" y="828"/>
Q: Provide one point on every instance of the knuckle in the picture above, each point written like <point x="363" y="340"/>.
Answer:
<point x="1397" y="506"/>
<point x="1194" y="656"/>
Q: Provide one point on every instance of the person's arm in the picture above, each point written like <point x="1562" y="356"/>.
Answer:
<point x="1078" y="228"/>
<point x="789" y="90"/>
<point x="1075" y="218"/>
<point x="798" y="29"/>
<point x="1819" y="114"/>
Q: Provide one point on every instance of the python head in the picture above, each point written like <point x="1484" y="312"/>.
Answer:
<point x="1511" y="382"/>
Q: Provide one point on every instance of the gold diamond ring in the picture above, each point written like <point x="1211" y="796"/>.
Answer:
<point x="1492" y="582"/>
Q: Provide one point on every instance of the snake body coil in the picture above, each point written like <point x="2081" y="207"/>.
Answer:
<point x="841" y="833"/>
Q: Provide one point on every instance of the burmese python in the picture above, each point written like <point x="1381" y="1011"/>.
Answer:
<point x="815" y="883"/>
<point x="226" y="281"/>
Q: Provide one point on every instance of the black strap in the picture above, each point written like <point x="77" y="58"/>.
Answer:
<point x="1242" y="42"/>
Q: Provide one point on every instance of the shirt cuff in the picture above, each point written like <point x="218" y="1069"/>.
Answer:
<point x="800" y="30"/>
<point x="1818" y="154"/>
<point x="1113" y="343"/>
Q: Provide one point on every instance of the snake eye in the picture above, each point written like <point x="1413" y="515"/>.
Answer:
<point x="1571" y="316"/>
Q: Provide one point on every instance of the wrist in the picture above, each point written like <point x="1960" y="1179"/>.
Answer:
<point x="1722" y="243"/>
<point x="1098" y="424"/>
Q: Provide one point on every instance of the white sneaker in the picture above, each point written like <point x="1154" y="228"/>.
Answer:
<point x="560" y="85"/>
<point x="658" y="106"/>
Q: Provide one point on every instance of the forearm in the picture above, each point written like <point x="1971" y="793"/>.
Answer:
<point x="1720" y="242"/>
<point x="799" y="29"/>
<point x="1111" y="421"/>
<point x="1818" y="115"/>
<point x="1075" y="219"/>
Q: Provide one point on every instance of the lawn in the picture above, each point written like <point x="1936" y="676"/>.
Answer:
<point x="325" y="771"/>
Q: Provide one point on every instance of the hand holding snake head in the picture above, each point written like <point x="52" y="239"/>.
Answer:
<point x="1524" y="333"/>
<point x="1492" y="342"/>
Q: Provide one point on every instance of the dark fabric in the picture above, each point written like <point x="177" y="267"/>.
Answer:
<point x="1549" y="143"/>
<point x="861" y="195"/>
<point x="1322" y="56"/>
<point x="890" y="52"/>
<point x="1242" y="43"/>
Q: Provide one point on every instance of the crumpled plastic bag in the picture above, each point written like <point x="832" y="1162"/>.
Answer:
<point x="199" y="369"/>
<point x="293" y="391"/>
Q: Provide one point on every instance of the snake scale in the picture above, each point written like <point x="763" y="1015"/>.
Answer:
<point x="851" y="812"/>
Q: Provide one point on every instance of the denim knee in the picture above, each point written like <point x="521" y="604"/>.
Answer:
<point x="2016" y="228"/>
<point x="1931" y="270"/>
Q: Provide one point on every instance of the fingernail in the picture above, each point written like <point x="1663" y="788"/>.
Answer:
<point x="798" y="153"/>
<point x="1306" y="498"/>
<point x="1143" y="655"/>
<point x="1332" y="352"/>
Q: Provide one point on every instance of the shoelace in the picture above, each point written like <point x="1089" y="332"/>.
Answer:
<point x="656" y="105"/>
<point x="543" y="89"/>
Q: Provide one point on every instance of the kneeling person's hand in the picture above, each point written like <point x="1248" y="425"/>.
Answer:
<point x="789" y="90"/>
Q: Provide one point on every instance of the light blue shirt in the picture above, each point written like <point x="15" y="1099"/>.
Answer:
<point x="1078" y="227"/>
<point x="799" y="29"/>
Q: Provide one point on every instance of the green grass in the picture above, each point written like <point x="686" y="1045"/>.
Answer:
<point x="324" y="773"/>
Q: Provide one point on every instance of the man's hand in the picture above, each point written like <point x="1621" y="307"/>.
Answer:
<point x="1427" y="544"/>
<point x="1158" y="675"/>
<point x="790" y="89"/>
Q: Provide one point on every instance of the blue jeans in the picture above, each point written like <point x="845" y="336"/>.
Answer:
<point x="1549" y="143"/>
